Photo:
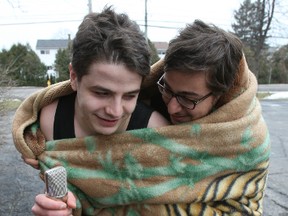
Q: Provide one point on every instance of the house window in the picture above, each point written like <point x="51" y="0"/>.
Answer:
<point x="45" y="52"/>
<point x="161" y="52"/>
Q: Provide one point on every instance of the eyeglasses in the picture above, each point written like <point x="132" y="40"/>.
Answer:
<point x="182" y="100"/>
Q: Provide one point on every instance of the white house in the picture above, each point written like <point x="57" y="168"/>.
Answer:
<point x="47" y="49"/>
<point x="161" y="48"/>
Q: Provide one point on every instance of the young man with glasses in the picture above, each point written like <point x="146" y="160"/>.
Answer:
<point x="182" y="105"/>
<point x="205" y="83"/>
<point x="200" y="66"/>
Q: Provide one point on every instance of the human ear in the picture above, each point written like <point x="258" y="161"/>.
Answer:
<point x="73" y="77"/>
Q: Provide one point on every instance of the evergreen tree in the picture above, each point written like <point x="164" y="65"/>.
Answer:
<point x="279" y="73"/>
<point x="153" y="51"/>
<point x="23" y="65"/>
<point x="62" y="64"/>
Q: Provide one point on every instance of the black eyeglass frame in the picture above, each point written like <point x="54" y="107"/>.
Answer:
<point x="177" y="96"/>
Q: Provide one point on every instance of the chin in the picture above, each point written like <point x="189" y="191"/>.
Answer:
<point x="181" y="120"/>
<point x="105" y="131"/>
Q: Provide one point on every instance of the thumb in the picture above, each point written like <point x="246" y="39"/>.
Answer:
<point x="71" y="200"/>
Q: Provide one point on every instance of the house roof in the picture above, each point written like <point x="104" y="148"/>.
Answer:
<point x="52" y="44"/>
<point x="63" y="43"/>
<point x="160" y="45"/>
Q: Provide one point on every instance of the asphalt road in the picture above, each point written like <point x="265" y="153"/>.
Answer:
<point x="273" y="87"/>
<point x="276" y="199"/>
<point x="20" y="183"/>
<point x="22" y="92"/>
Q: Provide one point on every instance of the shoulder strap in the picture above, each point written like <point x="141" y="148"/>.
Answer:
<point x="64" y="118"/>
<point x="140" y="117"/>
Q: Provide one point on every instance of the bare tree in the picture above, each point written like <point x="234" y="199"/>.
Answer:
<point x="253" y="22"/>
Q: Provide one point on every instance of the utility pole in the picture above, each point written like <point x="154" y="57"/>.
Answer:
<point x="146" y="20"/>
<point x="90" y="6"/>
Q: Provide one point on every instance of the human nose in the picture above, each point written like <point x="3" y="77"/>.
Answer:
<point x="115" y="108"/>
<point x="173" y="106"/>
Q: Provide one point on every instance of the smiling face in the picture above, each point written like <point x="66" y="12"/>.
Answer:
<point x="192" y="86"/>
<point x="106" y="98"/>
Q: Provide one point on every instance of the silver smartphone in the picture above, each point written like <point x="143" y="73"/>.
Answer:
<point x="56" y="183"/>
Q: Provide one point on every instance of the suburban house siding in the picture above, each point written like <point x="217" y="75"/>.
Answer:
<point x="161" y="48"/>
<point x="47" y="50"/>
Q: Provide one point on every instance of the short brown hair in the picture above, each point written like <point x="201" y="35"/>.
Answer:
<point x="202" y="47"/>
<point x="110" y="37"/>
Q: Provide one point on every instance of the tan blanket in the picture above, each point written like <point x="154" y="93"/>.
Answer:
<point x="216" y="165"/>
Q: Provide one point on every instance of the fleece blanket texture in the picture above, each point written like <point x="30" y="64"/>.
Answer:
<point x="216" y="165"/>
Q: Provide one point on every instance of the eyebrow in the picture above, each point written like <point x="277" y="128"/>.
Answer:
<point x="100" y="88"/>
<point x="184" y="93"/>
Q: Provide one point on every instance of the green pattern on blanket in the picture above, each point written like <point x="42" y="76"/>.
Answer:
<point x="196" y="129"/>
<point x="183" y="174"/>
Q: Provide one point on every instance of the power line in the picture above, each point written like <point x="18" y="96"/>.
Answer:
<point x="63" y="21"/>
<point x="156" y="26"/>
<point x="145" y="25"/>
<point x="150" y="26"/>
<point x="42" y="22"/>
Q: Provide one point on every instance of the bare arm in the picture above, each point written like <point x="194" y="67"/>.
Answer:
<point x="47" y="120"/>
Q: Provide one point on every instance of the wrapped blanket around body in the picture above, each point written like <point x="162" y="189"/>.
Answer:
<point x="215" y="165"/>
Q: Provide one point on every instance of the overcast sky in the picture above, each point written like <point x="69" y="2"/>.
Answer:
<point x="25" y="21"/>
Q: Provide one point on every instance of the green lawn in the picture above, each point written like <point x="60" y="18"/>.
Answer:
<point x="9" y="105"/>
<point x="262" y="95"/>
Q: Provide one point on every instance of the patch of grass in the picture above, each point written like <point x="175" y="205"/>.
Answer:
<point x="261" y="95"/>
<point x="9" y="105"/>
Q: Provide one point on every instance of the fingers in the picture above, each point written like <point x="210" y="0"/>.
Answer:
<point x="32" y="162"/>
<point x="45" y="206"/>
<point x="71" y="201"/>
<point x="47" y="203"/>
<point x="44" y="212"/>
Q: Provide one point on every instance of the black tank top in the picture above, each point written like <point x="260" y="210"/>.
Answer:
<point x="64" y="117"/>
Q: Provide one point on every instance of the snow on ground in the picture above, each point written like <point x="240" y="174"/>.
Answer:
<point x="278" y="95"/>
